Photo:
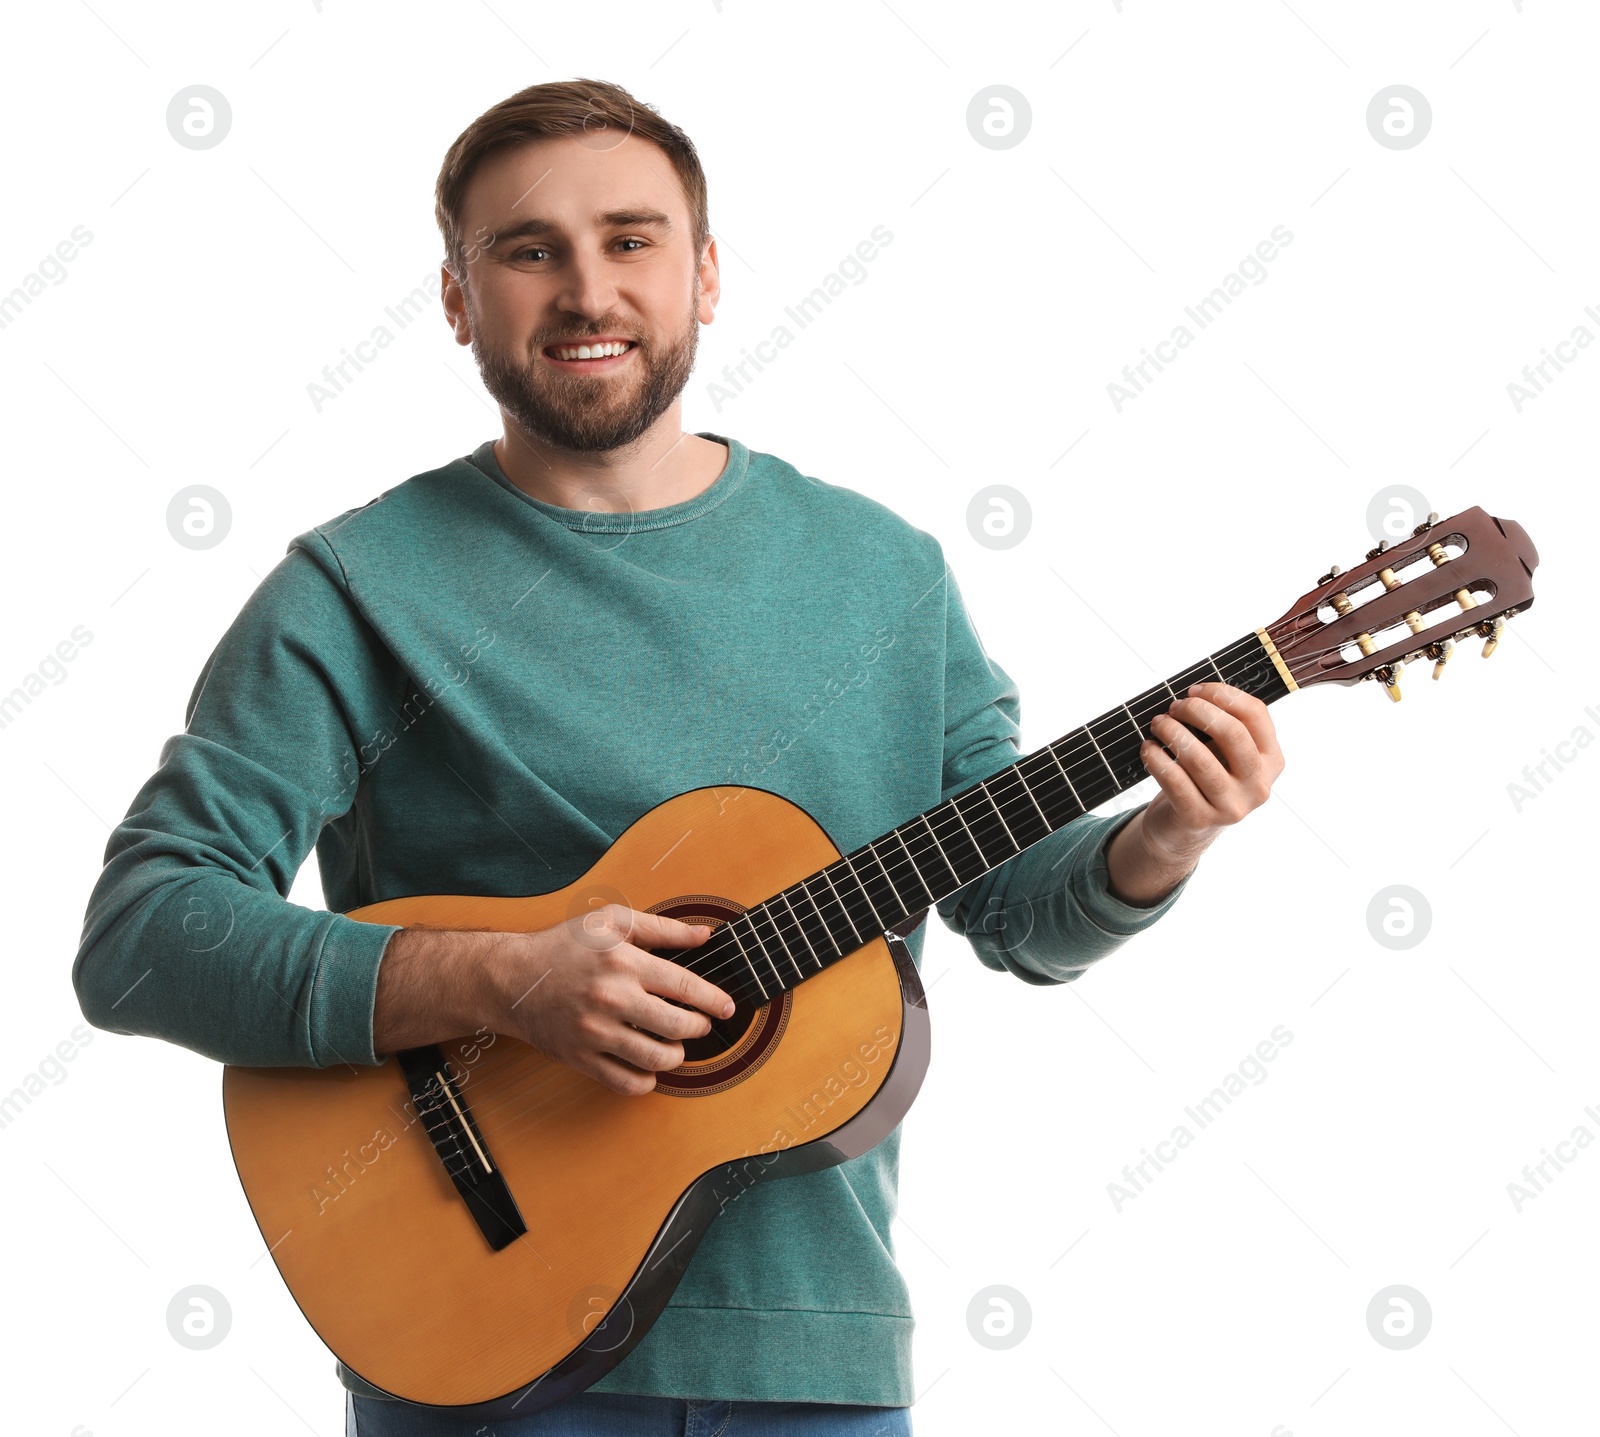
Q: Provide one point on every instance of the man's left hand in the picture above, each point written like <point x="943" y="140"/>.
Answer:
<point x="1201" y="792"/>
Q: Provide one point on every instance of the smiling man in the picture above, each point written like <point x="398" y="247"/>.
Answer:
<point x="474" y="683"/>
<point x="581" y="269"/>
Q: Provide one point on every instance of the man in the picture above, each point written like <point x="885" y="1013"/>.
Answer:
<point x="475" y="682"/>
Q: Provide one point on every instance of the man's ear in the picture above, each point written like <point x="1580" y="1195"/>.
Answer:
<point x="710" y="283"/>
<point x="455" y="305"/>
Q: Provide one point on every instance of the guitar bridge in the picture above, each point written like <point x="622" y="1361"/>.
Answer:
<point x="460" y="1146"/>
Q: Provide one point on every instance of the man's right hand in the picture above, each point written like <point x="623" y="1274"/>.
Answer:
<point x="586" y="992"/>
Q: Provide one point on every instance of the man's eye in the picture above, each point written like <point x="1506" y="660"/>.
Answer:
<point x="631" y="240"/>
<point x="531" y="249"/>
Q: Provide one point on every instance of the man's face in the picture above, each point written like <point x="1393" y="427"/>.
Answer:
<point x="582" y="241"/>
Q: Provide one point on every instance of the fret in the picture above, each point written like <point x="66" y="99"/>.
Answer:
<point x="1102" y="788"/>
<point x="760" y="954"/>
<point x="1044" y="779"/>
<point x="740" y="988"/>
<point x="755" y="933"/>
<point x="732" y="933"/>
<point x="985" y="824"/>
<point x="1220" y="674"/>
<point x="1068" y="777"/>
<point x="1022" y="809"/>
<point x="837" y="899"/>
<point x="916" y="872"/>
<point x="1023" y="779"/>
<point x="1158" y="705"/>
<point x="773" y="919"/>
<point x="922" y="849"/>
<point x="984" y="789"/>
<point x="1089" y="729"/>
<point x="900" y="902"/>
<point x="983" y="855"/>
<point x="771" y="915"/>
<point x="942" y="854"/>
<point x="1121" y="754"/>
<point x="805" y="888"/>
<point x="1088" y="773"/>
<point x="1138" y="732"/>
<point x="801" y="930"/>
<point x="965" y="832"/>
<point x="850" y="868"/>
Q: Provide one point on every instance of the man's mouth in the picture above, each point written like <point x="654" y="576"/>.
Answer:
<point x="601" y="353"/>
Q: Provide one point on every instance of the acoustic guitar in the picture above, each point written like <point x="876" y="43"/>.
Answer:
<point x="472" y="1224"/>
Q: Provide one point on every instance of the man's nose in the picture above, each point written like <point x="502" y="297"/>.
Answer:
<point x="589" y="289"/>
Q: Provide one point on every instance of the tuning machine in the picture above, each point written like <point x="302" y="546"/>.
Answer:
<point x="1386" y="674"/>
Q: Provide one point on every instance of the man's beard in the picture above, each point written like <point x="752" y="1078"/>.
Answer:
<point x="590" y="414"/>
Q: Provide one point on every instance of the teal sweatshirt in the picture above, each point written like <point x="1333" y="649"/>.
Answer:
<point x="457" y="688"/>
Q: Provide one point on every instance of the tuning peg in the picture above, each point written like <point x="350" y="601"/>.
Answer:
<point x="1389" y="676"/>
<point x="1382" y="545"/>
<point x="1426" y="524"/>
<point x="1491" y="633"/>
<point x="1333" y="573"/>
<point x="1440" y="654"/>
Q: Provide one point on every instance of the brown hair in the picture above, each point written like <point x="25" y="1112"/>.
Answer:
<point x="561" y="107"/>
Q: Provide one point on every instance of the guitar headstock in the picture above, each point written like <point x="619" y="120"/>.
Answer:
<point x="1451" y="579"/>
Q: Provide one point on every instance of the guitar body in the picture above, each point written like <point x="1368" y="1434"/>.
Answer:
<point x="389" y="1263"/>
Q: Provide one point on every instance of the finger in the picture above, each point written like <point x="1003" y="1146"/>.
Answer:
<point x="673" y="980"/>
<point x="617" y="1016"/>
<point x="646" y="930"/>
<point x="1234" y="744"/>
<point x="1225" y="729"/>
<point x="1253" y="714"/>
<point x="1249" y="710"/>
<point x="642" y="1048"/>
<point x="618" y="1076"/>
<point x="1176" y="783"/>
<point x="1206" y="771"/>
<point x="663" y="1018"/>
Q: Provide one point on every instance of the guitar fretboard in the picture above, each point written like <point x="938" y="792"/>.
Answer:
<point x="797" y="933"/>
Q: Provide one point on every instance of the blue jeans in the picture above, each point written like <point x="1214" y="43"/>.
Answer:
<point x="616" y="1414"/>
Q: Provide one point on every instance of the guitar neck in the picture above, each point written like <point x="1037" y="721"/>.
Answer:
<point x="797" y="933"/>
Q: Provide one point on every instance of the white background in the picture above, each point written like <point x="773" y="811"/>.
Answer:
<point x="1167" y="140"/>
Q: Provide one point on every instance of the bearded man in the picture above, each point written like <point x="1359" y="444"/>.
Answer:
<point x="475" y="682"/>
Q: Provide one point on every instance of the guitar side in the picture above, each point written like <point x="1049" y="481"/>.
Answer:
<point x="378" y="1248"/>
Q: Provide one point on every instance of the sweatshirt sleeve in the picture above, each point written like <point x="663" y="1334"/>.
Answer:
<point x="1046" y="913"/>
<point x="189" y="934"/>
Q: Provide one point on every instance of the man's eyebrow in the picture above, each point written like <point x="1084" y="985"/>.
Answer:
<point x="605" y="219"/>
<point x="635" y="218"/>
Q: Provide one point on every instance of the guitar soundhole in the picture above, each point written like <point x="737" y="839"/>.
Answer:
<point x="735" y="1046"/>
<point x="725" y="1032"/>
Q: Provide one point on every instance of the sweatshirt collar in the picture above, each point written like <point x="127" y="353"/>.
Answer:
<point x="592" y="521"/>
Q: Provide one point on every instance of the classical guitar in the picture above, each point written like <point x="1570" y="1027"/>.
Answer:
<point x="474" y="1224"/>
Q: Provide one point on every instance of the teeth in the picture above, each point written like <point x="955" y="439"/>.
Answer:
<point x="592" y="351"/>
